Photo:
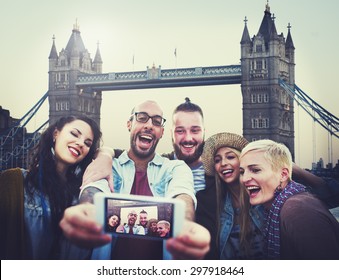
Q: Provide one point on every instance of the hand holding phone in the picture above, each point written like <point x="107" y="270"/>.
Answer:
<point x="138" y="216"/>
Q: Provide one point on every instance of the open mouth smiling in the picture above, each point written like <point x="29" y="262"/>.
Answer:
<point x="74" y="151"/>
<point x="188" y="146"/>
<point x="253" y="190"/>
<point x="145" y="138"/>
<point x="227" y="171"/>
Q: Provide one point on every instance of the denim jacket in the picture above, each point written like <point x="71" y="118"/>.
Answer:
<point x="226" y="222"/>
<point x="39" y="232"/>
<point x="166" y="178"/>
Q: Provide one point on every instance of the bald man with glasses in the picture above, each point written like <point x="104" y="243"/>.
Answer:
<point x="131" y="227"/>
<point x="142" y="171"/>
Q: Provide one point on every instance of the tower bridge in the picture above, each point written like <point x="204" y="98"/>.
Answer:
<point x="160" y="78"/>
<point x="266" y="74"/>
<point x="76" y="82"/>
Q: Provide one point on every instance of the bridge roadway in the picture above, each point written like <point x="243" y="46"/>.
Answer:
<point x="161" y="78"/>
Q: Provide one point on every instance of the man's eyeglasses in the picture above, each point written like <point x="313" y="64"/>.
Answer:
<point x="144" y="117"/>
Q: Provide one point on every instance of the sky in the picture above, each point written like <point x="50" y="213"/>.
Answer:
<point x="205" y="33"/>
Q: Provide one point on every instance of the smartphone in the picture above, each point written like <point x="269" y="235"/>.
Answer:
<point x="137" y="216"/>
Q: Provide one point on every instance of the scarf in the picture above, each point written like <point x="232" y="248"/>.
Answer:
<point x="272" y="229"/>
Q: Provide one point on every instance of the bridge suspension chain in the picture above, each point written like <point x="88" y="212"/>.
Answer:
<point x="8" y="138"/>
<point x="319" y="114"/>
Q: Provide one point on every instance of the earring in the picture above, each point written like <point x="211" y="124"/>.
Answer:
<point x="52" y="151"/>
<point x="77" y="170"/>
<point x="279" y="188"/>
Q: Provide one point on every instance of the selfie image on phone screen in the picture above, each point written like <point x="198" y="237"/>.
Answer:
<point x="133" y="218"/>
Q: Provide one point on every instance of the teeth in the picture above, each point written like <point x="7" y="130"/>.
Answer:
<point x="252" y="188"/>
<point x="146" y="137"/>
<point x="74" y="151"/>
<point x="188" y="146"/>
<point x="227" y="171"/>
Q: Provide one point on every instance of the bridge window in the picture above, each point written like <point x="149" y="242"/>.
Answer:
<point x="65" y="105"/>
<point x="63" y="77"/>
<point x="266" y="123"/>
<point x="86" y="64"/>
<point x="254" y="123"/>
<point x="286" y="122"/>
<point x="85" y="105"/>
<point x="258" y="48"/>
<point x="62" y="106"/>
<point x="266" y="98"/>
<point x="259" y="65"/>
<point x="263" y="123"/>
<point x="260" y="123"/>
<point x="260" y="98"/>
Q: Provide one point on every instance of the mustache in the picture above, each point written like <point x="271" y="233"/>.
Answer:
<point x="147" y="131"/>
<point x="189" y="143"/>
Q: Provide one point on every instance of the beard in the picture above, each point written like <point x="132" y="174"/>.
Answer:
<point x="189" y="159"/>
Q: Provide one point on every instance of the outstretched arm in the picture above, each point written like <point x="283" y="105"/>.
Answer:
<point x="192" y="243"/>
<point x="194" y="240"/>
<point x="79" y="226"/>
<point x="190" y="211"/>
<point x="78" y="223"/>
<point x="327" y="191"/>
<point x="100" y="168"/>
<point x="306" y="178"/>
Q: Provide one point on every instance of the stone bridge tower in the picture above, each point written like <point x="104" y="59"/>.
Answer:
<point x="64" y="68"/>
<point x="268" y="110"/>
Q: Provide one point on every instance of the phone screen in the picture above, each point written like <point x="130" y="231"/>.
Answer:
<point x="142" y="219"/>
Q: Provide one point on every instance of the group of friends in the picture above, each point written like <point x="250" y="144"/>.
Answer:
<point x="150" y="227"/>
<point x="242" y="201"/>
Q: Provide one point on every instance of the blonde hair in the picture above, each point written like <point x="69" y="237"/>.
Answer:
<point x="166" y="223"/>
<point x="277" y="154"/>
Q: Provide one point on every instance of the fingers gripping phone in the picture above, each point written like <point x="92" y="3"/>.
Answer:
<point x="137" y="216"/>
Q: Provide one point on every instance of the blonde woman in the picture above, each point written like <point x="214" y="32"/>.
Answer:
<point x="298" y="225"/>
<point x="223" y="207"/>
